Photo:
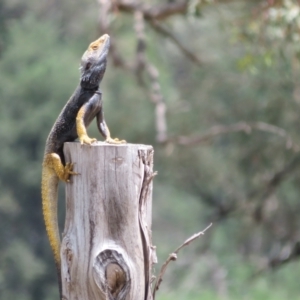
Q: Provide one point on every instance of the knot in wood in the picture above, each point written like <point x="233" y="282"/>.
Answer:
<point x="115" y="278"/>
<point x="112" y="274"/>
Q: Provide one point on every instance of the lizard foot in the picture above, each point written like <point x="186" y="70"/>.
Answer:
<point x="68" y="171"/>
<point x="84" y="139"/>
<point x="63" y="172"/>
<point x="115" y="141"/>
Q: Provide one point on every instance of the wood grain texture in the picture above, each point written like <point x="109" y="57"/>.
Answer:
<point x="107" y="250"/>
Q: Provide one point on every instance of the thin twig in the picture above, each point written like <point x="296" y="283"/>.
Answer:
<point x="173" y="256"/>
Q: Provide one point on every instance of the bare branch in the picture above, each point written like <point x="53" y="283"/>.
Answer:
<point x="173" y="256"/>
<point x="104" y="21"/>
<point x="167" y="33"/>
<point x="144" y="66"/>
<point x="160" y="106"/>
<point x="104" y="24"/>
<point x="277" y="178"/>
<point x="158" y="12"/>
<point x="154" y="14"/>
<point x="269" y="187"/>
<point x="238" y="127"/>
<point x="288" y="253"/>
<point x="141" y="66"/>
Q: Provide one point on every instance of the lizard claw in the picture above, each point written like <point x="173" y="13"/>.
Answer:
<point x="109" y="140"/>
<point x="68" y="171"/>
<point x="86" y="140"/>
<point x="62" y="171"/>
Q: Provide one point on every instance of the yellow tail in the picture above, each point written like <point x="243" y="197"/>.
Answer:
<point x="49" y="203"/>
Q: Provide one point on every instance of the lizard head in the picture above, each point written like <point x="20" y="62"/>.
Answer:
<point x="93" y="62"/>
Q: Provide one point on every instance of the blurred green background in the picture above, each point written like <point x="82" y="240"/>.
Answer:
<point x="227" y="73"/>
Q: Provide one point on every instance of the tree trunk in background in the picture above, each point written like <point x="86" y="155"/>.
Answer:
<point x="107" y="250"/>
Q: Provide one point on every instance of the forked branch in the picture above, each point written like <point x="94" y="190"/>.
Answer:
<point x="173" y="256"/>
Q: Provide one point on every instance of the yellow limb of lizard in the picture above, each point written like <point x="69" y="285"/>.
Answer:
<point x="82" y="134"/>
<point x="81" y="129"/>
<point x="110" y="140"/>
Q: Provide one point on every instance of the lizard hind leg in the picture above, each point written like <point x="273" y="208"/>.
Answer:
<point x="63" y="172"/>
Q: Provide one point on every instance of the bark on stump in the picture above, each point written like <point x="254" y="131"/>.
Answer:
<point x="107" y="248"/>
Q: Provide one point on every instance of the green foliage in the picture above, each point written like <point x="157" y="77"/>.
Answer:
<point x="274" y="29"/>
<point x="223" y="180"/>
<point x="34" y="84"/>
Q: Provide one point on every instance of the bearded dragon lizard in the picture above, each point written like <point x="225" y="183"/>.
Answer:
<point x="83" y="106"/>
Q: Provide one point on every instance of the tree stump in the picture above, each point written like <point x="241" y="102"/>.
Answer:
<point x="107" y="250"/>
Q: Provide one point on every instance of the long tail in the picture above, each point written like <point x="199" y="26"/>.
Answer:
<point x="49" y="203"/>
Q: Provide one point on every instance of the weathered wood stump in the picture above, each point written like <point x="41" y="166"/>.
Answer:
<point x="107" y="248"/>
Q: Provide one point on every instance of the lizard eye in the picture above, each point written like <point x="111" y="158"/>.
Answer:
<point x="88" y="65"/>
<point x="94" y="47"/>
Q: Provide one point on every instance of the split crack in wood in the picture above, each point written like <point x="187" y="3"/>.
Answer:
<point x="146" y="158"/>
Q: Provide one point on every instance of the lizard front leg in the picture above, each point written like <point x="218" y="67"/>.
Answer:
<point x="105" y="131"/>
<point x="80" y="127"/>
